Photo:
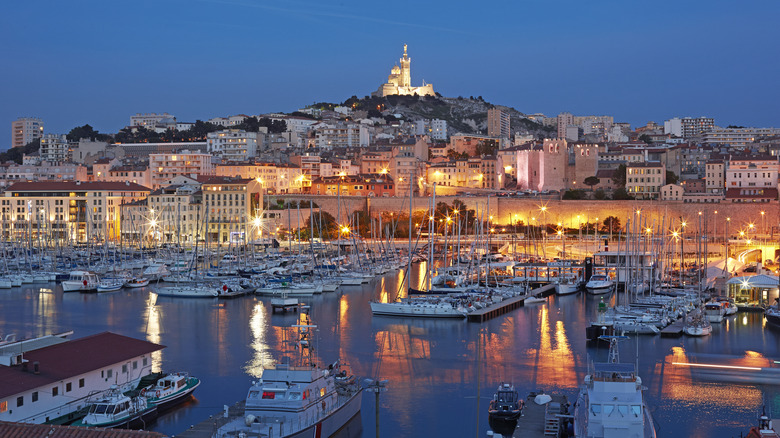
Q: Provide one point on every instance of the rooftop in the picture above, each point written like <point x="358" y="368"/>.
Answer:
<point x="73" y="186"/>
<point x="20" y="430"/>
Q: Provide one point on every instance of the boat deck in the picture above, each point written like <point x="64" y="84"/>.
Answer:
<point x="508" y="304"/>
<point x="536" y="422"/>
<point x="207" y="428"/>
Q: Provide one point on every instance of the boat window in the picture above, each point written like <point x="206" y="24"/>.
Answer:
<point x="623" y="409"/>
<point x="101" y="409"/>
<point x="110" y="409"/>
<point x="180" y="383"/>
<point x="608" y="410"/>
<point x="595" y="409"/>
<point x="295" y="396"/>
<point x="254" y="394"/>
<point x="269" y="395"/>
<point x="636" y="410"/>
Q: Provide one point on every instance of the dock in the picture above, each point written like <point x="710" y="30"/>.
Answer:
<point x="540" y="421"/>
<point x="508" y="304"/>
<point x="207" y="428"/>
<point x="674" y="329"/>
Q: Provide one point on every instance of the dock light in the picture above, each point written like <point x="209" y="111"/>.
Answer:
<point x="257" y="221"/>
<point x="560" y="232"/>
<point x="748" y="241"/>
<point x="455" y="211"/>
<point x="684" y="224"/>
<point x="751" y="226"/>
<point x="431" y="218"/>
<point x="741" y="233"/>
<point x="648" y="230"/>
<point x="675" y="234"/>
<point x="543" y="208"/>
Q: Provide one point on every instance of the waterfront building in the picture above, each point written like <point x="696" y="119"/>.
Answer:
<point x="375" y="161"/>
<point x="408" y="165"/>
<point x="399" y="82"/>
<point x="371" y="185"/>
<point x="166" y="166"/>
<point x="232" y="144"/>
<point x="231" y="204"/>
<point x="24" y="130"/>
<point x="498" y="123"/>
<point x="50" y="377"/>
<point x="644" y="180"/>
<point x="44" y="171"/>
<point x="737" y="137"/>
<point x="73" y="210"/>
<point x="274" y="178"/>
<point x="672" y="192"/>
<point x="754" y="290"/>
<point x="54" y="148"/>
<point x="174" y="215"/>
<point x="556" y="165"/>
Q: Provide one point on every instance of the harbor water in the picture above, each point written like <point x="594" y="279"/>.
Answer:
<point x="442" y="373"/>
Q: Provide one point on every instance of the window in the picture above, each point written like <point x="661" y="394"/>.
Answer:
<point x="124" y="368"/>
<point x="135" y="364"/>
<point x="595" y="409"/>
<point x="81" y="383"/>
<point x="110" y="373"/>
<point x="19" y="401"/>
<point x="68" y="387"/>
<point x="35" y="396"/>
<point x="55" y="391"/>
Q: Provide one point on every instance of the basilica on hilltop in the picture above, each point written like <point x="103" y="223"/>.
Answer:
<point x="400" y="81"/>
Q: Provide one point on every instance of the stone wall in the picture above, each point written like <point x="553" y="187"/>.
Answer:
<point x="506" y="211"/>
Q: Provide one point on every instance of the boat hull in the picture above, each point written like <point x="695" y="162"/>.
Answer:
<point x="599" y="289"/>
<point x="331" y="424"/>
<point x="566" y="289"/>
<point x="395" y="309"/>
<point x="503" y="424"/>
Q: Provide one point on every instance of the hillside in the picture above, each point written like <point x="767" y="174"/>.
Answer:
<point x="468" y="115"/>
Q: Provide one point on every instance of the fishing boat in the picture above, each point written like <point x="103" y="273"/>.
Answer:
<point x="170" y="390"/>
<point x="298" y="401"/>
<point x="504" y="410"/>
<point x="117" y="410"/>
<point x="611" y="403"/>
<point x="137" y="282"/>
<point x="80" y="281"/>
<point x="599" y="284"/>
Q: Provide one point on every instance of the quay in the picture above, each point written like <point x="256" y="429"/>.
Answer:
<point x="509" y="304"/>
<point x="208" y="427"/>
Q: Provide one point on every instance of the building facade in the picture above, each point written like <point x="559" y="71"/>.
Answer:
<point x="232" y="144"/>
<point x="231" y="206"/>
<point x="166" y="166"/>
<point x="498" y="123"/>
<point x="55" y="148"/>
<point x="371" y="185"/>
<point x="24" y="130"/>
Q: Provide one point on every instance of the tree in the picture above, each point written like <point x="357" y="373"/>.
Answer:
<point x="600" y="194"/>
<point x="671" y="178"/>
<point x="620" y="194"/>
<point x="645" y="138"/>
<point x="487" y="147"/>
<point x="573" y="195"/>
<point x="17" y="154"/>
<point x="329" y="226"/>
<point x="455" y="155"/>
<point x="619" y="177"/>
<point x="611" y="224"/>
<point x="591" y="181"/>
<point x="87" y="132"/>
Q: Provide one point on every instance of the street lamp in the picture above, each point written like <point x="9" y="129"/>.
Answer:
<point x="376" y="386"/>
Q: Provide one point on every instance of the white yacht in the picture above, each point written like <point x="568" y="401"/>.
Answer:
<point x="298" y="401"/>
<point x="187" y="291"/>
<point x="81" y="281"/>
<point x="117" y="410"/>
<point x="599" y="284"/>
<point x="611" y="403"/>
<point x="715" y="312"/>
<point x="566" y="284"/>
<point x="420" y="307"/>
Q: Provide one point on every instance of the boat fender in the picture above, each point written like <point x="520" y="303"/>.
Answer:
<point x="249" y="419"/>
<point x="224" y="287"/>
<point x="323" y="405"/>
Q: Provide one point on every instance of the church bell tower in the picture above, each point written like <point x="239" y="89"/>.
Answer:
<point x="406" y="72"/>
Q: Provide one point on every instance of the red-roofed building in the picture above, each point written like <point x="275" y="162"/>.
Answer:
<point x="20" y="430"/>
<point x="72" y="210"/>
<point x="49" y="382"/>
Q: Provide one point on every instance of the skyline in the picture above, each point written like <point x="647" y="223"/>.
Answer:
<point x="212" y="58"/>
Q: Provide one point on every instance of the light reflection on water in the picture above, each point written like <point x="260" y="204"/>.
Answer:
<point x="430" y="363"/>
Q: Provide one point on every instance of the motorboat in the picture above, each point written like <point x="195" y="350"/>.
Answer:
<point x="170" y="390"/>
<point x="634" y="326"/>
<point x="137" y="282"/>
<point x="599" y="284"/>
<point x="427" y="307"/>
<point x="117" y="410"/>
<point x="156" y="271"/>
<point x="504" y="410"/>
<point x="6" y="283"/>
<point x="772" y="314"/>
<point x="81" y="281"/>
<point x="533" y="299"/>
<point x="611" y="402"/>
<point x="715" y="312"/>
<point x="307" y="400"/>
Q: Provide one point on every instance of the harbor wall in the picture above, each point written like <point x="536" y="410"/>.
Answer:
<point x="507" y="211"/>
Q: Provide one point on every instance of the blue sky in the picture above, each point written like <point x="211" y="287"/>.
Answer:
<point x="99" y="62"/>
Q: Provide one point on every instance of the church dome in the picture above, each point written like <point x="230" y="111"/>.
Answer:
<point x="396" y="70"/>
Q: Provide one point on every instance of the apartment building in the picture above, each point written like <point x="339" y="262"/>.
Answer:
<point x="273" y="178"/>
<point x="737" y="137"/>
<point x="175" y="214"/>
<point x="44" y="171"/>
<point x="24" y="130"/>
<point x="149" y="120"/>
<point x="715" y="176"/>
<point x="54" y="148"/>
<point x="232" y="144"/>
<point x="166" y="166"/>
<point x="752" y="178"/>
<point x="498" y="123"/>
<point x="371" y="185"/>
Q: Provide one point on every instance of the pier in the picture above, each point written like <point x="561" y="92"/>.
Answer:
<point x="207" y="428"/>
<point x="509" y="304"/>
<point x="539" y="421"/>
<point x="674" y="330"/>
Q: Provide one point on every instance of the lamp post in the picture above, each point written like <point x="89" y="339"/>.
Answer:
<point x="376" y="386"/>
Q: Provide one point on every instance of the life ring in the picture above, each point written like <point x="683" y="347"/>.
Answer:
<point x="143" y="391"/>
<point x="85" y="282"/>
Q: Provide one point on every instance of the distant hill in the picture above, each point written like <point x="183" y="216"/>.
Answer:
<point x="467" y="115"/>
